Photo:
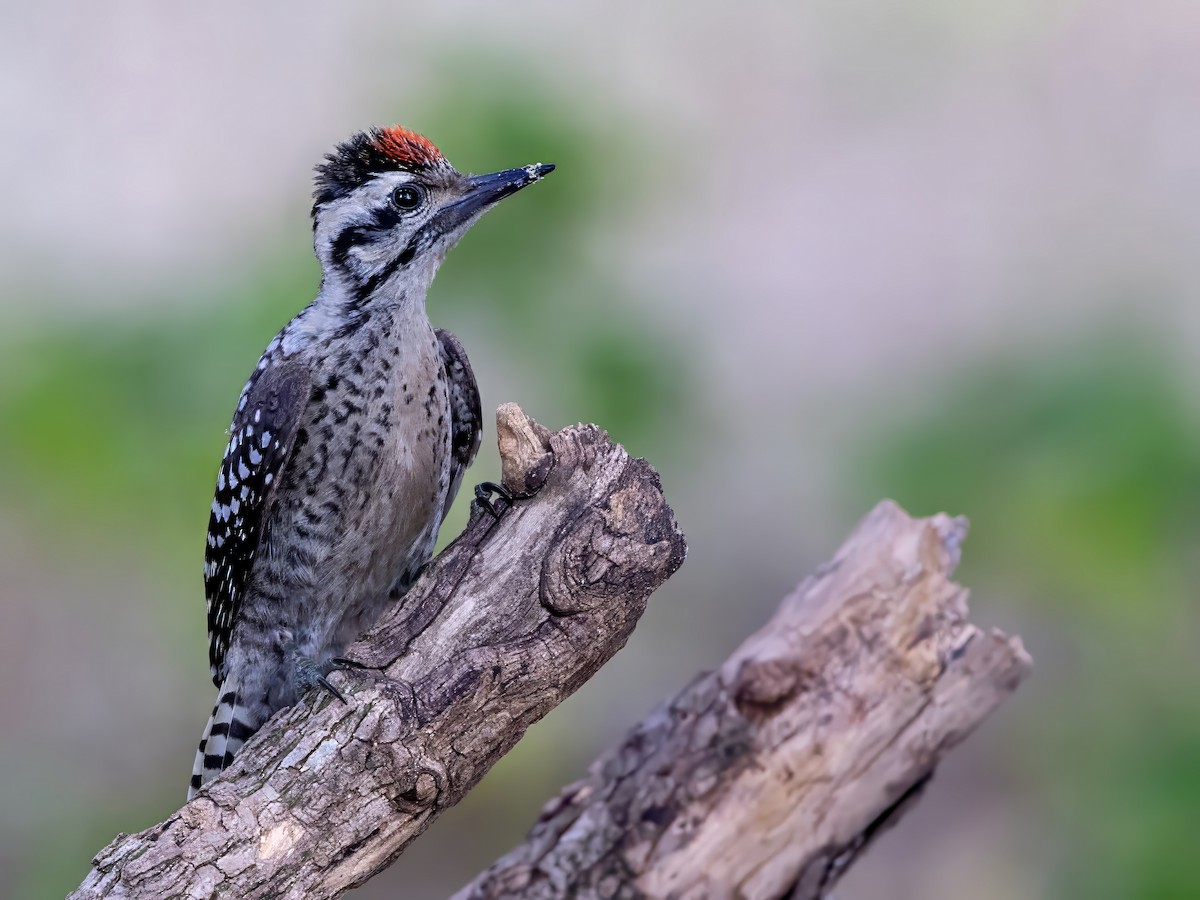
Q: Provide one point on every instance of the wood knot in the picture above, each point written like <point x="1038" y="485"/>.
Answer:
<point x="422" y="789"/>
<point x="763" y="687"/>
<point x="588" y="567"/>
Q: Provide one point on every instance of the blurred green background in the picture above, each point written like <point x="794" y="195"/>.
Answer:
<point x="800" y="258"/>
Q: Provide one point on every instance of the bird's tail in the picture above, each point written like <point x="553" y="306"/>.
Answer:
<point x="229" y="726"/>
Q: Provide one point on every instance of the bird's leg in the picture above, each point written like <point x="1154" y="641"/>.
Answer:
<point x="483" y="497"/>
<point x="307" y="673"/>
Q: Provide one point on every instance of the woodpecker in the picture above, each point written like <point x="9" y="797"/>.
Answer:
<point x="350" y="439"/>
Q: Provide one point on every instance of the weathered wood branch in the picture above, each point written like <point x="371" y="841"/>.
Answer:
<point x="769" y="776"/>
<point x="506" y="623"/>
<point x="764" y="779"/>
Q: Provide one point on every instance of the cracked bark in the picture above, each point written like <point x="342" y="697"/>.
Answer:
<point x="768" y="777"/>
<point x="504" y="625"/>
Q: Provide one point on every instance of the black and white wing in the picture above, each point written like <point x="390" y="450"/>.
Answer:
<point x="466" y="419"/>
<point x="260" y="443"/>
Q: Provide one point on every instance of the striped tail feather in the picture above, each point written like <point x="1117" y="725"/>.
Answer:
<point x="228" y="728"/>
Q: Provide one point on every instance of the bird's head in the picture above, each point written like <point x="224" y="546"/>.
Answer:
<point x="388" y="205"/>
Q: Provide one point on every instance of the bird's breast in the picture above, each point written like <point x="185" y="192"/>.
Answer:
<point x="402" y="455"/>
<point x="370" y="481"/>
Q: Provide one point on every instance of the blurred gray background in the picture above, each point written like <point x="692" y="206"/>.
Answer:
<point x="800" y="256"/>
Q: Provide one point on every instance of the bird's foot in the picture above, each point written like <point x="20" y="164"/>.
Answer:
<point x="483" y="497"/>
<point x="307" y="673"/>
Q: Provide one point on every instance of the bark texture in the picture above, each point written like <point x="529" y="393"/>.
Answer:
<point x="769" y="776"/>
<point x="505" y="624"/>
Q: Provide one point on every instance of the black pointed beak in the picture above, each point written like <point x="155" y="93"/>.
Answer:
<point x="483" y="191"/>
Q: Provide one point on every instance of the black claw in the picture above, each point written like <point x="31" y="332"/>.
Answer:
<point x="341" y="662"/>
<point x="307" y="673"/>
<point x="402" y="584"/>
<point x="483" y="498"/>
<point x="416" y="576"/>
<point x="324" y="682"/>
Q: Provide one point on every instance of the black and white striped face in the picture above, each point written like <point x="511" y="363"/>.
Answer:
<point x="388" y="206"/>
<point x="386" y="226"/>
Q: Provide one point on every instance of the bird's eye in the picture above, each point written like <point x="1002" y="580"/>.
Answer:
<point x="407" y="197"/>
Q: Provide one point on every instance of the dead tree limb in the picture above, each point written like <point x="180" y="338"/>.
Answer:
<point x="505" y="624"/>
<point x="769" y="776"/>
<point x="764" y="779"/>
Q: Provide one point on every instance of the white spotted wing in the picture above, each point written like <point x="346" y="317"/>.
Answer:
<point x="260" y="443"/>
